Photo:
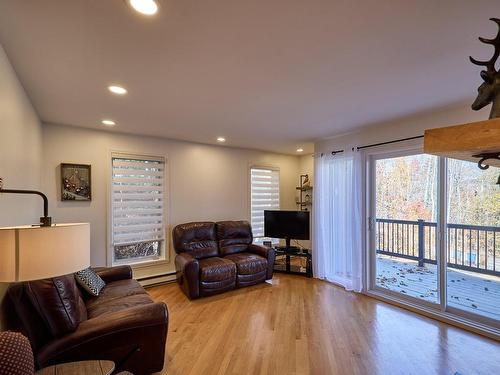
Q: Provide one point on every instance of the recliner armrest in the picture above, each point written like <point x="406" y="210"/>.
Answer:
<point x="267" y="253"/>
<point x="132" y="326"/>
<point x="188" y="269"/>
<point x="263" y="251"/>
<point x="110" y="274"/>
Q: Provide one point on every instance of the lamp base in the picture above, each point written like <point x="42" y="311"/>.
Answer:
<point x="45" y="221"/>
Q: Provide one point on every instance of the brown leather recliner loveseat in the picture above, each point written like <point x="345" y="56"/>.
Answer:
<point x="64" y="324"/>
<point x="216" y="257"/>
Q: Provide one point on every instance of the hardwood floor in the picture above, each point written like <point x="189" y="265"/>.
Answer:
<point x="307" y="326"/>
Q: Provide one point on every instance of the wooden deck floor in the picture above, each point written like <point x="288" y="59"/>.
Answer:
<point x="472" y="292"/>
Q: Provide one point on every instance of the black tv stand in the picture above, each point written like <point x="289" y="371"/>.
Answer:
<point x="288" y="249"/>
<point x="287" y="258"/>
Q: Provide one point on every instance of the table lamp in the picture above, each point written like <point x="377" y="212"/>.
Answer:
<point x="45" y="250"/>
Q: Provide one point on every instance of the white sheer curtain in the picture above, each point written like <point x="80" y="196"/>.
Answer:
<point x="337" y="255"/>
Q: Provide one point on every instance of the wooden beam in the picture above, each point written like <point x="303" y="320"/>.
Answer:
<point x="464" y="141"/>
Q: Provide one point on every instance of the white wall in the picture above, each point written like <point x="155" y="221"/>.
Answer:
<point x="20" y="149"/>
<point x="206" y="182"/>
<point x="306" y="166"/>
<point x="20" y="152"/>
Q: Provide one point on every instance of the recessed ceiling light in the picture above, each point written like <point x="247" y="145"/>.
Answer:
<point x="119" y="90"/>
<point x="221" y="139"/>
<point x="108" y="122"/>
<point x="146" y="7"/>
<point x="300" y="150"/>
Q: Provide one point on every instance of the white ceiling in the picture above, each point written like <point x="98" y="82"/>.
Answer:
<point x="266" y="74"/>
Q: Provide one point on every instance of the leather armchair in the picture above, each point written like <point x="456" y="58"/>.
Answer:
<point x="123" y="324"/>
<point x="137" y="332"/>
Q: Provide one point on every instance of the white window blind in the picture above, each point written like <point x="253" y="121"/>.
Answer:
<point x="265" y="195"/>
<point x="138" y="195"/>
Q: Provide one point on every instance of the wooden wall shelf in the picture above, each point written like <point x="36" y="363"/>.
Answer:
<point x="464" y="141"/>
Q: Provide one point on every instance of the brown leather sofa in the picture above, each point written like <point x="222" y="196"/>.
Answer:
<point x="216" y="257"/>
<point x="65" y="324"/>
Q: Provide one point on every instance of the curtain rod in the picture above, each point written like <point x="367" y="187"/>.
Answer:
<point x="374" y="145"/>
<point x="333" y="153"/>
<point x="388" y="142"/>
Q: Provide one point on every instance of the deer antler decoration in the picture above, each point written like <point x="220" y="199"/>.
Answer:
<point x="489" y="91"/>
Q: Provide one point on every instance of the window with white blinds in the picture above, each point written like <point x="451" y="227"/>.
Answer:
<point x="265" y="195"/>
<point x="138" y="210"/>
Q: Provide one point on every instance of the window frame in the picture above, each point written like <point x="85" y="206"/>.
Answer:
<point x="371" y="285"/>
<point x="165" y="243"/>
<point x="275" y="168"/>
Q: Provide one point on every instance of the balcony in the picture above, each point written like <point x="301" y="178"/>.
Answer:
<point x="406" y="263"/>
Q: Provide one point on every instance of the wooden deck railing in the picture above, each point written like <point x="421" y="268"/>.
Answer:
<point x="470" y="247"/>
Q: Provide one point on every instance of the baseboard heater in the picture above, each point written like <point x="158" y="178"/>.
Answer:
<point x="157" y="279"/>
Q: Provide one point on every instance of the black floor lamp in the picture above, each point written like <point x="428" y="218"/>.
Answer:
<point x="45" y="220"/>
<point x="33" y="252"/>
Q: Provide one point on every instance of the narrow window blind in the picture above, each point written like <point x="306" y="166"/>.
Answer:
<point x="138" y="190"/>
<point x="265" y="195"/>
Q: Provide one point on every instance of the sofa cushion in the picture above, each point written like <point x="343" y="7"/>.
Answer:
<point x="117" y="304"/>
<point x="247" y="280"/>
<point x="234" y="236"/>
<point x="198" y="239"/>
<point x="113" y="296"/>
<point x="59" y="302"/>
<point x="216" y="269"/>
<point x="215" y="287"/>
<point x="117" y="289"/>
<point x="247" y="263"/>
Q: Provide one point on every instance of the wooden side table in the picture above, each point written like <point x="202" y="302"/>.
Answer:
<point x="79" y="368"/>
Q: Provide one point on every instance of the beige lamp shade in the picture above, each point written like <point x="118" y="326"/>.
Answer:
<point x="33" y="252"/>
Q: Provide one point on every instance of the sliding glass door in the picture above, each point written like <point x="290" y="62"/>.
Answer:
<point x="435" y="234"/>
<point x="473" y="240"/>
<point x="404" y="225"/>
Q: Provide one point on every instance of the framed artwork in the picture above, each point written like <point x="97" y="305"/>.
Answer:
<point x="75" y="182"/>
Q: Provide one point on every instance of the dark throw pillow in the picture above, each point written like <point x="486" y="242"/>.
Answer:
<point x="90" y="281"/>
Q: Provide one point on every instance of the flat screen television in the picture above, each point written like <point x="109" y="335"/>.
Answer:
<point x="286" y="224"/>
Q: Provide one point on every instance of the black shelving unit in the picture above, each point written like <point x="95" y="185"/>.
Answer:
<point x="305" y="194"/>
